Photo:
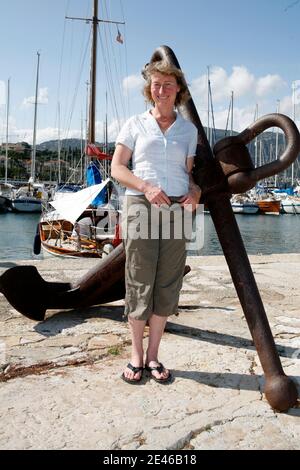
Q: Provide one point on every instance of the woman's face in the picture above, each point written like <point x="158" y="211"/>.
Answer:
<point x="164" y="88"/>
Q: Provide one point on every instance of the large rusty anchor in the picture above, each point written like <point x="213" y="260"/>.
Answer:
<point x="230" y="171"/>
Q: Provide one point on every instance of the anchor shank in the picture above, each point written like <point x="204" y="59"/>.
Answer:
<point x="244" y="282"/>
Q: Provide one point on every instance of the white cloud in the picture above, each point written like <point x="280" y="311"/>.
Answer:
<point x="133" y="82"/>
<point x="268" y="84"/>
<point x="240" y="81"/>
<point x="286" y="105"/>
<point x="51" y="133"/>
<point x="42" y="135"/>
<point x="248" y="90"/>
<point x="242" y="117"/>
<point x="114" y="129"/>
<point x="42" y="97"/>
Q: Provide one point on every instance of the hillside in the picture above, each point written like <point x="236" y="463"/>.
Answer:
<point x="66" y="144"/>
<point x="267" y="139"/>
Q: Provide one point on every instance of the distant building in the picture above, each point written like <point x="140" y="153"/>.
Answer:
<point x="19" y="147"/>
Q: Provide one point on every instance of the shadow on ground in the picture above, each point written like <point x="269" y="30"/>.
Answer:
<point x="54" y="324"/>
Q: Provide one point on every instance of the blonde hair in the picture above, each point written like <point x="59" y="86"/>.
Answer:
<point x="165" y="68"/>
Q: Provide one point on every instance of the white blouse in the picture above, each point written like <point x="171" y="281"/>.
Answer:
<point x="160" y="158"/>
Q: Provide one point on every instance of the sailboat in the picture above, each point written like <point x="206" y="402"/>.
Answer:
<point x="5" y="197"/>
<point x="86" y="223"/>
<point x="291" y="205"/>
<point x="30" y="198"/>
<point x="6" y="189"/>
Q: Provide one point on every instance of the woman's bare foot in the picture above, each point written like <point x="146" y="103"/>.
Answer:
<point x="130" y="373"/>
<point x="157" y="370"/>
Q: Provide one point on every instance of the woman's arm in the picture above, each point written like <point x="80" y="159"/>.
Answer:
<point x="192" y="198"/>
<point x="120" y="172"/>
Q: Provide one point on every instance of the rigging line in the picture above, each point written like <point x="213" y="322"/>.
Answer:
<point x="110" y="51"/>
<point x="68" y="74"/>
<point x="109" y="82"/>
<point x="111" y="74"/>
<point x="62" y="52"/>
<point x="126" y="61"/>
<point x="126" y="90"/>
<point x="78" y="82"/>
<point x="118" y="69"/>
<point x="61" y="62"/>
<point x="82" y="54"/>
<point x="120" y="79"/>
<point x="65" y="118"/>
<point x="116" y="79"/>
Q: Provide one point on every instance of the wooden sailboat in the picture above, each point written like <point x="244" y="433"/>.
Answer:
<point x="92" y="230"/>
<point x="269" y="206"/>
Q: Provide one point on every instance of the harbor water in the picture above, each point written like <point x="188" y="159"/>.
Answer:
<point x="262" y="234"/>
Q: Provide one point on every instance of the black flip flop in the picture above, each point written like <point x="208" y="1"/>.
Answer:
<point x="135" y="370"/>
<point x="160" y="368"/>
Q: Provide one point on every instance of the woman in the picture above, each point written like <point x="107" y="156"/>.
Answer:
<point x="161" y="145"/>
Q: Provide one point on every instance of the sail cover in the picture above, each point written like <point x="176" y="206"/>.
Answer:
<point x="93" y="176"/>
<point x="71" y="207"/>
<point x="93" y="151"/>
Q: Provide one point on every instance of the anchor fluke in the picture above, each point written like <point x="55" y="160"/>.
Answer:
<point x="28" y="292"/>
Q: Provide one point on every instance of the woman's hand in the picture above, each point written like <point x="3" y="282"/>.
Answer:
<point x="190" y="200"/>
<point x="156" y="196"/>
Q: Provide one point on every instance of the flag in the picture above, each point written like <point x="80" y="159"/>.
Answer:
<point x="296" y="88"/>
<point x="119" y="38"/>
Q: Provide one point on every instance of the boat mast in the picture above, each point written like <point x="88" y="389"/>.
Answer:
<point x="105" y="136"/>
<point x="231" y="126"/>
<point x="93" y="75"/>
<point x="58" y="144"/>
<point x="276" y="141"/>
<point x="294" y="119"/>
<point x="92" y="111"/>
<point x="256" y="139"/>
<point x="7" y="121"/>
<point x="32" y="175"/>
<point x="86" y="128"/>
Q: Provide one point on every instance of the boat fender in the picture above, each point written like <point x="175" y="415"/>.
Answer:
<point x="37" y="241"/>
<point x="107" y="248"/>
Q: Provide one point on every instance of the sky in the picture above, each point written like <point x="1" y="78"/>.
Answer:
<point x="250" y="47"/>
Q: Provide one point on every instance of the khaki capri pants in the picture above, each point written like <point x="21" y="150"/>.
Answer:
<point x="155" y="257"/>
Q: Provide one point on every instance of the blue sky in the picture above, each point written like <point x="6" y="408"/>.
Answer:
<point x="251" y="47"/>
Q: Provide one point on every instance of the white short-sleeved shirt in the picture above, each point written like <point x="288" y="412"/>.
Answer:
<point x="160" y="158"/>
